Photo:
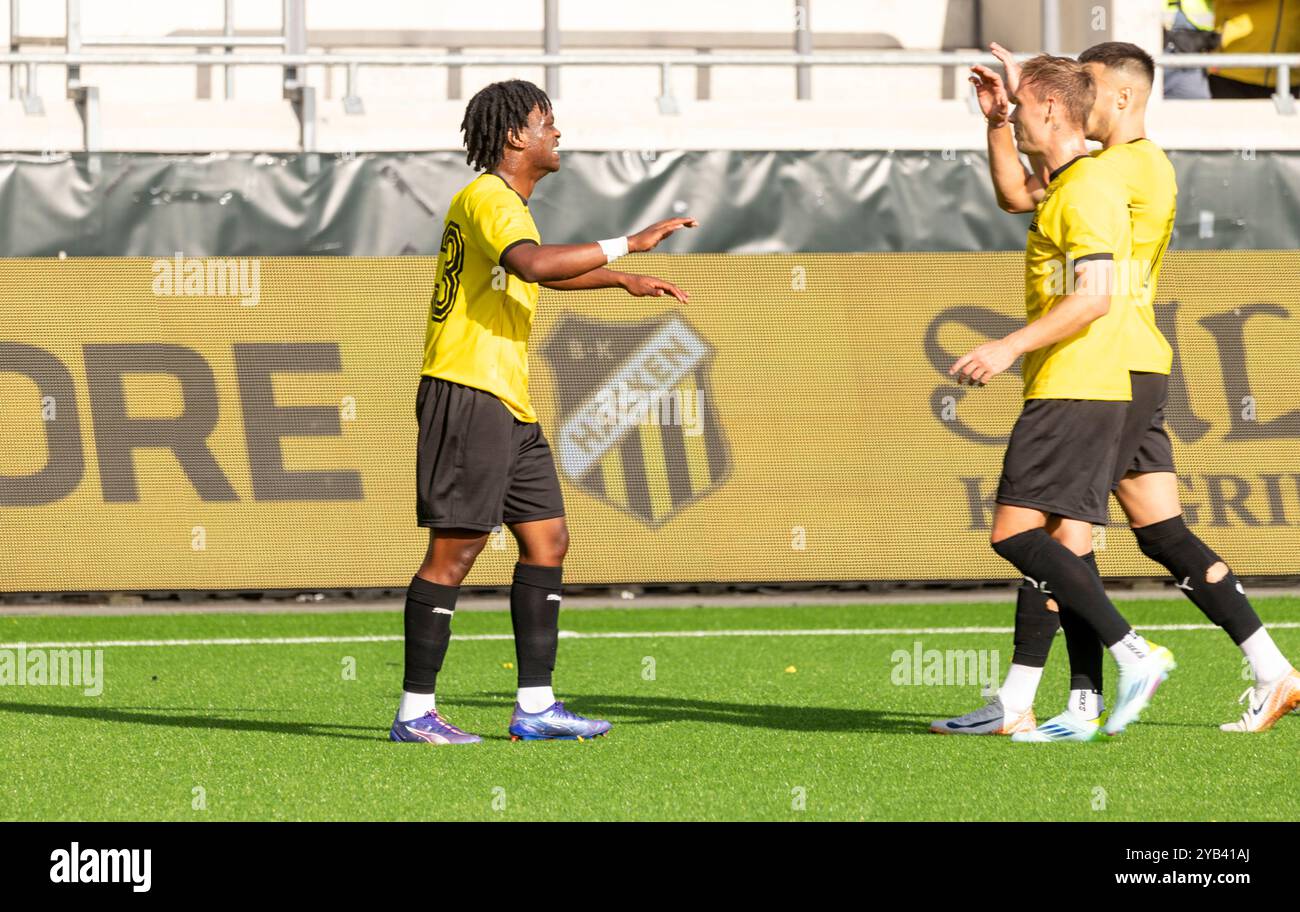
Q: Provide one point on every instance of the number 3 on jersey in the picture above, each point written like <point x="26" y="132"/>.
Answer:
<point x="453" y="261"/>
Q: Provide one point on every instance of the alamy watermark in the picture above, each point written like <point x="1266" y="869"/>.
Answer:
<point x="75" y="865"/>
<point x="24" y="667"/>
<point x="946" y="667"/>
<point x="621" y="405"/>
<point x="1123" y="277"/>
<point x="211" y="277"/>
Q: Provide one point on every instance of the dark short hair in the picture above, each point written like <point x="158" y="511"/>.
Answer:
<point x="492" y="113"/>
<point x="1063" y="78"/>
<point x="1120" y="55"/>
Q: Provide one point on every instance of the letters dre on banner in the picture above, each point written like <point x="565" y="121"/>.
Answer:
<point x="213" y="424"/>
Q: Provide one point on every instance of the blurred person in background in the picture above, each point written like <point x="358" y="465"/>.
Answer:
<point x="1189" y="29"/>
<point x="1255" y="27"/>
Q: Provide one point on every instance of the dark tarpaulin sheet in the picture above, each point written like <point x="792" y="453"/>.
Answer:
<point x="383" y="204"/>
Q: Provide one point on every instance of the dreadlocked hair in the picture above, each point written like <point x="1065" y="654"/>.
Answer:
<point x="492" y="113"/>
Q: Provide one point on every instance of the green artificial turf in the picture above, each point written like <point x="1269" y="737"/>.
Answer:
<point x="705" y="728"/>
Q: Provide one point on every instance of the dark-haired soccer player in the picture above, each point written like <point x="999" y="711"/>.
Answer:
<point x="1060" y="459"/>
<point x="482" y="459"/>
<point x="1144" y="482"/>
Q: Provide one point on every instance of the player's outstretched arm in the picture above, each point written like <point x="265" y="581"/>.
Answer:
<point x="550" y="263"/>
<point x="1070" y="315"/>
<point x="636" y="285"/>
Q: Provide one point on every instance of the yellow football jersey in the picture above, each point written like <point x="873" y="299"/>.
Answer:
<point x="480" y="315"/>
<point x="1083" y="216"/>
<point x="1152" y="189"/>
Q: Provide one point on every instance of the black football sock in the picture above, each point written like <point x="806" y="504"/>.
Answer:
<point x="1065" y="577"/>
<point x="1082" y="644"/>
<point x="1036" y="624"/>
<point x="1180" y="551"/>
<point x="535" y="614"/>
<point x="429" y="607"/>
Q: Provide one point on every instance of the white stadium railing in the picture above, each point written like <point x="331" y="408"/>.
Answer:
<point x="295" y="61"/>
<point x="304" y="102"/>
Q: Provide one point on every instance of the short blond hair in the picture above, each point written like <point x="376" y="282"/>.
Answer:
<point x="1064" y="79"/>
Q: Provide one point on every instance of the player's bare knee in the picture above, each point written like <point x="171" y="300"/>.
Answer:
<point x="548" y="552"/>
<point x="460" y="562"/>
<point x="560" y="545"/>
<point x="552" y="553"/>
<point x="444" y="574"/>
<point x="1216" y="572"/>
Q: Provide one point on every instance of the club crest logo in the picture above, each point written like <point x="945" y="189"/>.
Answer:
<point x="637" y="426"/>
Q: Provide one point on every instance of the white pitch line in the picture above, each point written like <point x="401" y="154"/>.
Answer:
<point x="575" y="635"/>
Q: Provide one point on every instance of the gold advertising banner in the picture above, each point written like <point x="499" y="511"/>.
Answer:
<point x="249" y="424"/>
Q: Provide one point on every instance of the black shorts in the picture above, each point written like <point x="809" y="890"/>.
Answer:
<point x="1061" y="457"/>
<point x="1144" y="444"/>
<point x="477" y="466"/>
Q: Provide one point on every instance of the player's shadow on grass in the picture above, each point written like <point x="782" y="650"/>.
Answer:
<point x="207" y="720"/>
<point x="623" y="709"/>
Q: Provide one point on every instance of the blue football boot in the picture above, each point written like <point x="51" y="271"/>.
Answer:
<point x="430" y="728"/>
<point x="555" y="723"/>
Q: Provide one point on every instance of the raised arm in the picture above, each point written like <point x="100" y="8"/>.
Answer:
<point x="1037" y="167"/>
<point x="1016" y="189"/>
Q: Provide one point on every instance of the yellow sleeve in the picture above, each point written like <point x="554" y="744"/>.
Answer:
<point x="498" y="218"/>
<point x="1090" y="221"/>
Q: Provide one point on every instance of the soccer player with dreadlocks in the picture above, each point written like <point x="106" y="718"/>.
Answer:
<point x="482" y="460"/>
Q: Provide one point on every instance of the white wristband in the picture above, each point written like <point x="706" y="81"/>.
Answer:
<point x="613" y="248"/>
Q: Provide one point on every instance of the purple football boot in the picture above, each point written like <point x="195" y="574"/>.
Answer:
<point x="555" y="723"/>
<point x="430" y="728"/>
